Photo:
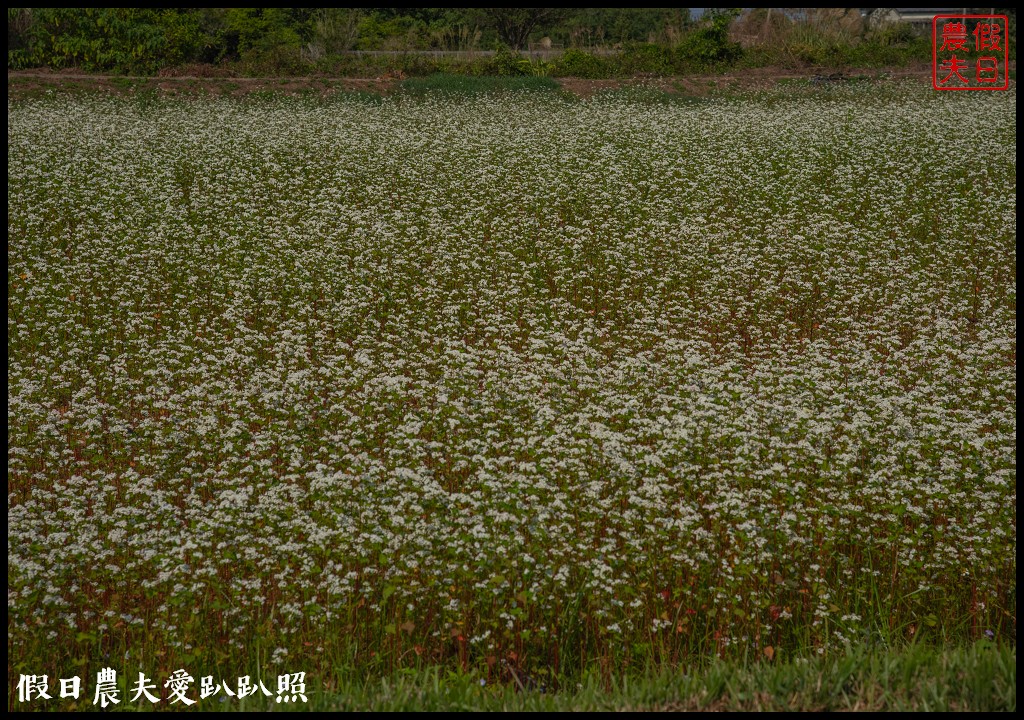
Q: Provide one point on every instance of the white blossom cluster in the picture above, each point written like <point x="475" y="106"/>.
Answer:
<point x="513" y="367"/>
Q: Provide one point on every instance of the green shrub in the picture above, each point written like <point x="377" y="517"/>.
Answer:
<point x="648" y="58"/>
<point x="398" y="32"/>
<point x="506" y="63"/>
<point x="284" y="60"/>
<point x="300" y="41"/>
<point x="576" y="63"/>
<point x="893" y="34"/>
<point x="118" y="39"/>
<point x="255" y="32"/>
<point x="709" y="44"/>
<point x="880" y="52"/>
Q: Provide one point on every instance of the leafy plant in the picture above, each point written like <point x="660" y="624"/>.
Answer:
<point x="578" y="63"/>
<point x="709" y="43"/>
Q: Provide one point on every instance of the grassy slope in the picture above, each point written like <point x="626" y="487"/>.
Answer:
<point x="978" y="678"/>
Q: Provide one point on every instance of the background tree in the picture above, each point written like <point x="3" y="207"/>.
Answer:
<point x="514" y="25"/>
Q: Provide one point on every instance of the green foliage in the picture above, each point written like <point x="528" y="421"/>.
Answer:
<point x="261" y="30"/>
<point x="648" y="58"/>
<point x="709" y="43"/>
<point x="335" y="30"/>
<point x="893" y="34"/>
<point x="118" y="39"/>
<point x="980" y="678"/>
<point x="590" y="27"/>
<point x="19" y="20"/>
<point x="397" y="32"/>
<point x="507" y="63"/>
<point x="515" y="26"/>
<point x="600" y="42"/>
<point x="470" y="85"/>
<point x="577" y="63"/>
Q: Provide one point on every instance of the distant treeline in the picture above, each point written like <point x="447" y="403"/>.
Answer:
<point x="121" y="37"/>
<point x="597" y="42"/>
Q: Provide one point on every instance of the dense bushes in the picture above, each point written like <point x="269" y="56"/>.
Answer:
<point x="120" y="39"/>
<point x="301" y="41"/>
<point x="709" y="43"/>
<point x="143" y="41"/>
<point x="576" y="63"/>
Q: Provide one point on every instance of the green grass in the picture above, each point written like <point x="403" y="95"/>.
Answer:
<point x="470" y="85"/>
<point x="980" y="678"/>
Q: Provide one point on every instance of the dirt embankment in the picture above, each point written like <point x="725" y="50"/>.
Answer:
<point x="33" y="82"/>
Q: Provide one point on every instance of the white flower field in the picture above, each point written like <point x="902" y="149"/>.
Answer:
<point x="310" y="383"/>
